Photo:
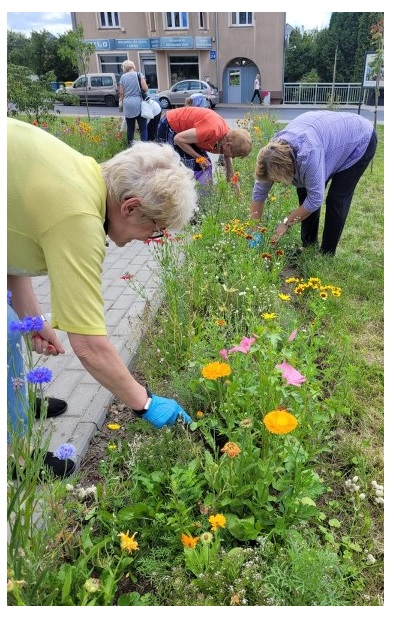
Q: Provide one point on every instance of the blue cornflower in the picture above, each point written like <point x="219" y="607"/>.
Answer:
<point x="27" y="324"/>
<point x="40" y="374"/>
<point x="66" y="450"/>
<point x="9" y="296"/>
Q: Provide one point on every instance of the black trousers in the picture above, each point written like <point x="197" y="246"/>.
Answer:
<point x="258" y="94"/>
<point x="338" y="202"/>
<point x="153" y="127"/>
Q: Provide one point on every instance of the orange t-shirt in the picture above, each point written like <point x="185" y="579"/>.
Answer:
<point x="210" y="127"/>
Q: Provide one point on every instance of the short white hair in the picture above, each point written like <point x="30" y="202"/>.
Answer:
<point x="155" y="175"/>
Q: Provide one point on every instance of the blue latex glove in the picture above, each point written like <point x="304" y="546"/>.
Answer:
<point x="256" y="239"/>
<point x="165" y="411"/>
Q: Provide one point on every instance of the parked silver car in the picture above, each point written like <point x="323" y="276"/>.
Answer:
<point x="176" y="95"/>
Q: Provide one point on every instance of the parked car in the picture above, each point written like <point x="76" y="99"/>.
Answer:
<point x="176" y="95"/>
<point x="97" y="87"/>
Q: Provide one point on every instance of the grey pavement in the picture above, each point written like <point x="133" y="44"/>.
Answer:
<point x="127" y="313"/>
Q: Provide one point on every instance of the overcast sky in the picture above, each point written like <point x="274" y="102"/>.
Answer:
<point x="57" y="23"/>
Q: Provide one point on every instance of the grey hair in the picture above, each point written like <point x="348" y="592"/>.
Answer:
<point x="155" y="174"/>
<point x="275" y="162"/>
<point x="128" y="65"/>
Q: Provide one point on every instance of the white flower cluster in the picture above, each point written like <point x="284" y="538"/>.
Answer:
<point x="353" y="486"/>
<point x="81" y="492"/>
<point x="378" y="492"/>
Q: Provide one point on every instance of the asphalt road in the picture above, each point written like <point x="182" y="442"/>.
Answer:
<point x="283" y="113"/>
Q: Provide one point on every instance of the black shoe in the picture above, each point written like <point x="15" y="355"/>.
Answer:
<point x="52" y="466"/>
<point x="56" y="407"/>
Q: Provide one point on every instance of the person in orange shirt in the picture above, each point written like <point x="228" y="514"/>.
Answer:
<point x="195" y="131"/>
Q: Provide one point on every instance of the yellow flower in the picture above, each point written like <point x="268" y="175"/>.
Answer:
<point x="112" y="446"/>
<point x="214" y="370"/>
<point x="284" y="297"/>
<point x="235" y="600"/>
<point x="114" y="427"/>
<point x="128" y="543"/>
<point x="280" y="421"/>
<point x="231" y="449"/>
<point x="220" y="322"/>
<point x="199" y="414"/>
<point x="217" y="520"/>
<point x="197" y="236"/>
<point x="189" y="541"/>
<point x="324" y="295"/>
<point x="268" y="315"/>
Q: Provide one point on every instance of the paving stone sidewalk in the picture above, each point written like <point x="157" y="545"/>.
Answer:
<point x="126" y="314"/>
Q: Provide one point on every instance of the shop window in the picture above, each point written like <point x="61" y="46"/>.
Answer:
<point x="112" y="64"/>
<point x="148" y="68"/>
<point x="183" y="67"/>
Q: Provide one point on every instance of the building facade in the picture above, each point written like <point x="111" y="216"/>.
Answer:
<point x="227" y="49"/>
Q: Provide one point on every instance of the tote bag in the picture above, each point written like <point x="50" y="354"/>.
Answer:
<point x="146" y="110"/>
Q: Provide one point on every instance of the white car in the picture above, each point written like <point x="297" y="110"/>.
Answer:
<point x="176" y="95"/>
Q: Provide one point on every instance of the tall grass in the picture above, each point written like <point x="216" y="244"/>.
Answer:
<point x="292" y="519"/>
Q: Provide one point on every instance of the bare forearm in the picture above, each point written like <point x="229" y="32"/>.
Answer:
<point x="186" y="147"/>
<point x="256" y="210"/>
<point x="228" y="168"/>
<point x="100" y="358"/>
<point x="24" y="301"/>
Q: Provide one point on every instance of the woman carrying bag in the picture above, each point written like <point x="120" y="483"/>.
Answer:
<point x="130" y="96"/>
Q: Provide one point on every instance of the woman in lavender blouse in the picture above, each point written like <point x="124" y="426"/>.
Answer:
<point x="314" y="149"/>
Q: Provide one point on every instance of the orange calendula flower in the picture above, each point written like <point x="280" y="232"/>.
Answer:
<point x="128" y="543"/>
<point x="199" y="414"/>
<point x="215" y="370"/>
<point x="217" y="520"/>
<point x="114" y="427"/>
<point x="280" y="421"/>
<point x="235" y="178"/>
<point x="189" y="541"/>
<point x="200" y="159"/>
<point x="220" y="322"/>
<point x="231" y="449"/>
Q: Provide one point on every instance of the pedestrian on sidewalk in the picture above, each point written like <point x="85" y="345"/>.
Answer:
<point x="194" y="131"/>
<point x="130" y="96"/>
<point x="257" y="89"/>
<point x="61" y="206"/>
<point x="314" y="149"/>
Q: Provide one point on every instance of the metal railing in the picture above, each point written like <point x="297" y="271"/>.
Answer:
<point x="322" y="94"/>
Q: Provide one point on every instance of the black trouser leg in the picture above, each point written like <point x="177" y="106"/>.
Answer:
<point x="339" y="197"/>
<point x="309" y="227"/>
<point x="130" y="124"/>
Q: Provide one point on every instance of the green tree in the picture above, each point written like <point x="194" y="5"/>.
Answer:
<point x="18" y="49"/>
<point x="74" y="49"/>
<point x="30" y="95"/>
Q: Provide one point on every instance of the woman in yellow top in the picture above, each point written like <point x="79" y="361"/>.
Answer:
<point x="61" y="206"/>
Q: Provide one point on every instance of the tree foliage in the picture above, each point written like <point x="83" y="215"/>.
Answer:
<point x="348" y="36"/>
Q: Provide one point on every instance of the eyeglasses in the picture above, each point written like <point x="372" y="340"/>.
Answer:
<point x="159" y="233"/>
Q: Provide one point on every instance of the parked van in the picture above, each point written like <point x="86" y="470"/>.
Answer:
<point x="97" y="87"/>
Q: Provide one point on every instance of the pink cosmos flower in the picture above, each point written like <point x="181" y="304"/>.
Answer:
<point x="292" y="336"/>
<point x="288" y="372"/>
<point x="224" y="354"/>
<point x="244" y="346"/>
